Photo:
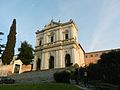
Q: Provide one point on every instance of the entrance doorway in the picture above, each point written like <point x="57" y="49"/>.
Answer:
<point x="17" y="68"/>
<point x="38" y="64"/>
<point x="51" y="62"/>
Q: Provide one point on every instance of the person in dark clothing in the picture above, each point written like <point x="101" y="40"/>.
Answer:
<point x="76" y="76"/>
<point x="86" y="79"/>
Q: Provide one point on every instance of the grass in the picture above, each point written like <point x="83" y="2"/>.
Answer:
<point x="46" y="86"/>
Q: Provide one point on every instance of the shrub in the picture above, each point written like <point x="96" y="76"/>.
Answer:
<point x="62" y="77"/>
<point x="76" y="66"/>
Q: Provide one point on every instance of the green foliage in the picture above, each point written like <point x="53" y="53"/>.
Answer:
<point x="8" y="53"/>
<point x="112" y="57"/>
<point x="76" y="66"/>
<point x="26" y="53"/>
<point x="62" y="77"/>
<point x="46" y="86"/>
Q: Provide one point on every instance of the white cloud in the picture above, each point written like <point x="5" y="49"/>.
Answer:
<point x="109" y="12"/>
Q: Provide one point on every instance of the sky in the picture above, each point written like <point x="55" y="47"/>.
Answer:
<point x="98" y="21"/>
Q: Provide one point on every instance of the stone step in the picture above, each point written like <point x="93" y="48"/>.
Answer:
<point x="35" y="76"/>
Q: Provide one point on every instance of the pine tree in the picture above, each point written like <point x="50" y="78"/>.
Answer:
<point x="26" y="53"/>
<point x="8" y="53"/>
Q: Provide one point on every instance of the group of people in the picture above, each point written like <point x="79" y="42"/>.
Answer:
<point x="77" y="77"/>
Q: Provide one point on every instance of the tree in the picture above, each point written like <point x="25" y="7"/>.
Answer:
<point x="108" y="68"/>
<point x="26" y="53"/>
<point x="8" y="53"/>
<point x="112" y="57"/>
<point x="1" y="45"/>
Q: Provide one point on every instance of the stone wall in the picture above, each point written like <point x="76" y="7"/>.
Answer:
<point x="6" y="70"/>
<point x="26" y="68"/>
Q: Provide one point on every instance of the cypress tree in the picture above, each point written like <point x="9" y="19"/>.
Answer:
<point x="8" y="53"/>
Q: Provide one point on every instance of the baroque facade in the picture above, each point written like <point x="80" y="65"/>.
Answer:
<point x="57" y="46"/>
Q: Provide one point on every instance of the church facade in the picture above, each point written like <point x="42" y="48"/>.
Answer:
<point x="57" y="46"/>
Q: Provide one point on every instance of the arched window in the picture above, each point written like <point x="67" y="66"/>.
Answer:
<point x="68" y="60"/>
<point x="51" y="62"/>
<point x="38" y="64"/>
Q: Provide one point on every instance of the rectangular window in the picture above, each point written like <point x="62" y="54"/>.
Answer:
<point x="51" y="38"/>
<point x="91" y="55"/>
<point x="40" y="43"/>
<point x="66" y="36"/>
<point x="96" y="55"/>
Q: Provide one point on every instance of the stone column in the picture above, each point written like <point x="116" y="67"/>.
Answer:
<point x="47" y="38"/>
<point x="42" y="62"/>
<point x="46" y="60"/>
<point x="56" y="60"/>
<point x="63" y="58"/>
<point x="60" y="34"/>
<point x="35" y="62"/>
<point x="37" y="42"/>
<point x="71" y="33"/>
<point x="60" y="59"/>
<point x="73" y="56"/>
<point x="44" y="38"/>
<point x="56" y="35"/>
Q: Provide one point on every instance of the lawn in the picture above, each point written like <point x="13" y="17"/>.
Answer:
<point x="51" y="86"/>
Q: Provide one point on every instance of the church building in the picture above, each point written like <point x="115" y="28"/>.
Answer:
<point x="57" y="46"/>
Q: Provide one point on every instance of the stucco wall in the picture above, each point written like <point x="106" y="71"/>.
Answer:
<point x="5" y="70"/>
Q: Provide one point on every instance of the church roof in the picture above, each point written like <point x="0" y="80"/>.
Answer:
<point x="54" y="24"/>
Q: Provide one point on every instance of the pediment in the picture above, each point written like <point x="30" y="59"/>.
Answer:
<point x="52" y="24"/>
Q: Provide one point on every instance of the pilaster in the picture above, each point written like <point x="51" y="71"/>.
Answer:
<point x="73" y="56"/>
<point x="35" y="62"/>
<point x="56" y="60"/>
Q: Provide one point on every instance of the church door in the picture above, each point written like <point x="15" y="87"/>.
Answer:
<point x="51" y="62"/>
<point x="38" y="64"/>
<point x="67" y="60"/>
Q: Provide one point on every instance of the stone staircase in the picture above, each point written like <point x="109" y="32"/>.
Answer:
<point x="35" y="76"/>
